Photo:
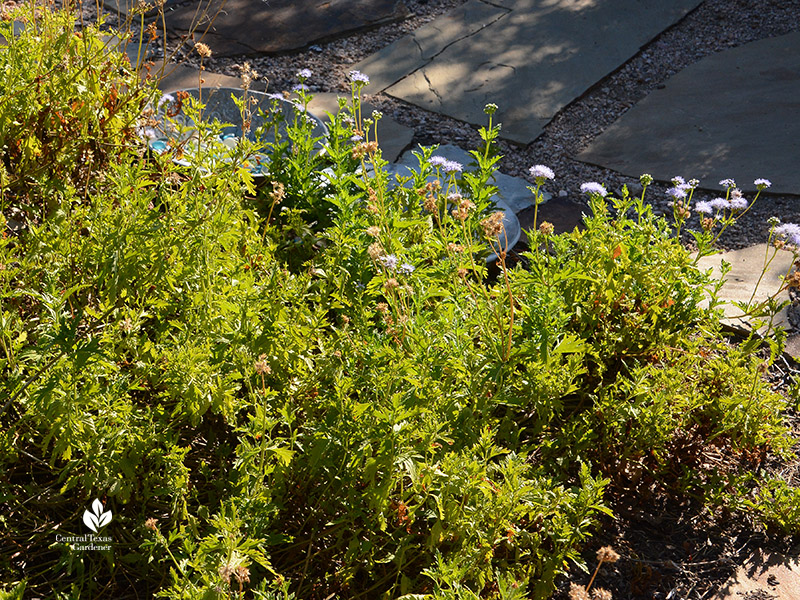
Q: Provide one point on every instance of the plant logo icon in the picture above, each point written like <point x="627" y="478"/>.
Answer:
<point x="95" y="519"/>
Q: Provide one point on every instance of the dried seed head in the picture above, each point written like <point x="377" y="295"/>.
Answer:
<point x="375" y="251"/>
<point x="373" y="231"/>
<point x="493" y="225"/>
<point x="607" y="554"/>
<point x="151" y="524"/>
<point x="225" y="571"/>
<point x="203" y="50"/>
<point x="242" y="574"/>
<point x="577" y="592"/>
<point x="261" y="366"/>
<point x="601" y="594"/>
<point x="278" y="192"/>
<point x="391" y="284"/>
<point x="546" y="227"/>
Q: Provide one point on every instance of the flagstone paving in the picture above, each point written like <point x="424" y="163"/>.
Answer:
<point x="746" y="267"/>
<point x="246" y="27"/>
<point x="764" y="576"/>
<point x="735" y="114"/>
<point x="531" y="61"/>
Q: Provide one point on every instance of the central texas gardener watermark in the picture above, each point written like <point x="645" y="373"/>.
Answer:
<point x="95" y="519"/>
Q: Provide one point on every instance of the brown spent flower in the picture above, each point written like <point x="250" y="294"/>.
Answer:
<point x="462" y="212"/>
<point x="391" y="284"/>
<point x="242" y="574"/>
<point x="261" y="366"/>
<point x="248" y="75"/>
<point x="607" y="554"/>
<point x="546" y="228"/>
<point x="601" y="594"/>
<point x="151" y="524"/>
<point x="462" y="272"/>
<point x="577" y="592"/>
<point x="278" y="192"/>
<point x="382" y="307"/>
<point x="493" y="225"/>
<point x="373" y="231"/>
<point x="791" y="281"/>
<point x="375" y="250"/>
<point x="203" y="50"/>
<point x="225" y="571"/>
<point x="457" y="248"/>
<point x="430" y="203"/>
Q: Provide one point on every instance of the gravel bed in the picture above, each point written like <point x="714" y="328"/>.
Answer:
<point x="714" y="26"/>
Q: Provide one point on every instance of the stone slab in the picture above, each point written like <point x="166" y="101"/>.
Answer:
<point x="735" y="114"/>
<point x="246" y="27"/>
<point x="535" y="60"/>
<point x="764" y="575"/>
<point x="563" y="213"/>
<point x="179" y="77"/>
<point x="409" y="53"/>
<point x="393" y="137"/>
<point x="746" y="267"/>
<point x="126" y="8"/>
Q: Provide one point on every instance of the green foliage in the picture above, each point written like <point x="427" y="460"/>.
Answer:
<point x="68" y="105"/>
<point x="310" y="385"/>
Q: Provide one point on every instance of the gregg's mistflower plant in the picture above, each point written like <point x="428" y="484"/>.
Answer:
<point x="389" y="261"/>
<point x="728" y="183"/>
<point x="592" y="187"/>
<point x="541" y="173"/>
<point x="451" y="166"/>
<point x="358" y="77"/>
<point x="762" y="184"/>
<point x="720" y="204"/>
<point x="437" y="161"/>
<point x="704" y="207"/>
<point x="676" y="193"/>
<point x="789" y="233"/>
<point x="304" y="74"/>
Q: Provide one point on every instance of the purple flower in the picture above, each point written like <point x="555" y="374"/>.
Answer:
<point x="455" y="197"/>
<point x="592" y="187"/>
<point x="678" y="181"/>
<point x="437" y="161"/>
<point x="166" y="98"/>
<point x="727" y="183"/>
<point x="406" y="269"/>
<point x="541" y="172"/>
<point x="304" y="73"/>
<point x="704" y="206"/>
<point x="300" y="87"/>
<point x="738" y="203"/>
<point x="451" y="166"/>
<point x="762" y="183"/>
<point x="720" y="204"/>
<point x="693" y="183"/>
<point x="789" y="232"/>
<point x="359" y="77"/>
<point x="678" y="193"/>
<point x="356" y="138"/>
<point x="389" y="261"/>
